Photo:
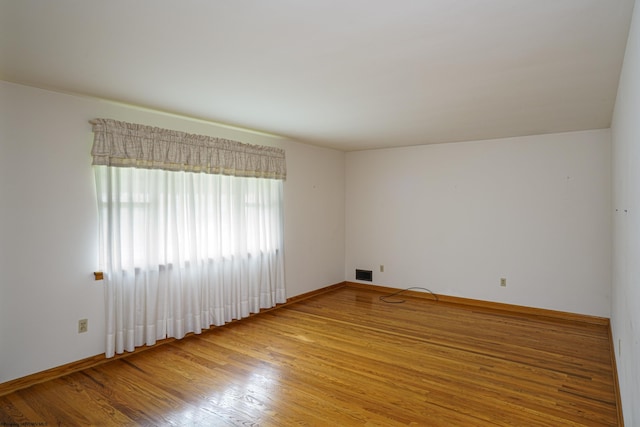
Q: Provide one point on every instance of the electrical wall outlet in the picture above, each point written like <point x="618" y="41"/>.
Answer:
<point x="83" y="325"/>
<point x="503" y="282"/>
<point x="381" y="268"/>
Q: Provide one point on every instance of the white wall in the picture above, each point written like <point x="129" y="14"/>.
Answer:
<point x="625" y="311"/>
<point x="48" y="237"/>
<point x="452" y="217"/>
<point x="455" y="218"/>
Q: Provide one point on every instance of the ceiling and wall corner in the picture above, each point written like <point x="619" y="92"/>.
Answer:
<point x="348" y="75"/>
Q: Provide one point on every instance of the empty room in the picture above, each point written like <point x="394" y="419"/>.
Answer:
<point x="276" y="213"/>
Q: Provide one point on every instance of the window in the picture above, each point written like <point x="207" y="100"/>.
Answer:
<point x="183" y="249"/>
<point x="162" y="218"/>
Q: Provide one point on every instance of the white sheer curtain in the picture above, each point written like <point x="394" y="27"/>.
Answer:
<point x="182" y="251"/>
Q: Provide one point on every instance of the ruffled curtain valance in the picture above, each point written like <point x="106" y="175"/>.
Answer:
<point x="133" y="145"/>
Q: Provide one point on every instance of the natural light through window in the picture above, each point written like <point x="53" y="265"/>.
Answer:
<point x="190" y="231"/>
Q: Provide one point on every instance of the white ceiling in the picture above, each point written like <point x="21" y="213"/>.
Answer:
<point x="348" y="74"/>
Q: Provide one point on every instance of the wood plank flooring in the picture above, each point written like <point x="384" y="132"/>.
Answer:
<point x="344" y="358"/>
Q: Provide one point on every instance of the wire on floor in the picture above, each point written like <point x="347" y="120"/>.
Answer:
<point x="385" y="298"/>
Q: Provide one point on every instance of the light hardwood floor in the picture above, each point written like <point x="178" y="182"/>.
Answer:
<point x="345" y="358"/>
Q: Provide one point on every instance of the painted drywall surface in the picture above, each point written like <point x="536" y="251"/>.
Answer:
<point x="455" y="218"/>
<point x="48" y="221"/>
<point x="48" y="233"/>
<point x="314" y="216"/>
<point x="625" y="310"/>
